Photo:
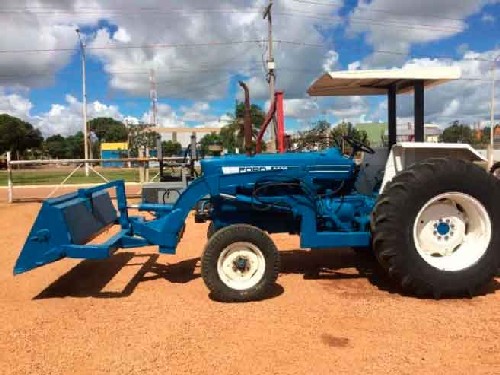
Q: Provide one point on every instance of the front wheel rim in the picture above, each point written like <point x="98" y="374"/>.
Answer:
<point x="241" y="265"/>
<point x="452" y="231"/>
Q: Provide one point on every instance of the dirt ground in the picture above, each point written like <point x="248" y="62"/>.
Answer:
<point x="143" y="313"/>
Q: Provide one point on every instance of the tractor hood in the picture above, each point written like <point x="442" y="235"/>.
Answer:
<point x="328" y="161"/>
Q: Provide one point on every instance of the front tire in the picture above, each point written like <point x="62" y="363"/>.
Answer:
<point x="436" y="228"/>
<point x="211" y="230"/>
<point x="240" y="263"/>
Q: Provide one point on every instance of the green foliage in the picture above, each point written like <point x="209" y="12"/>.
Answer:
<point x="208" y="140"/>
<point x="317" y="137"/>
<point x="141" y="138"/>
<point x="108" y="129"/>
<point x="75" y="146"/>
<point x="457" y="133"/>
<point x="171" y="148"/>
<point x="17" y="136"/>
<point x="57" y="147"/>
<point x="322" y="136"/>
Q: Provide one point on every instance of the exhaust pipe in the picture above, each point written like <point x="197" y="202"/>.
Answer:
<point x="247" y="125"/>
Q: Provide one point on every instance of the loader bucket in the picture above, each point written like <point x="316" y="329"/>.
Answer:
<point x="63" y="222"/>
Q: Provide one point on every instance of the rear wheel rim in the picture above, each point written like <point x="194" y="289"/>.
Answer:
<point x="241" y="265"/>
<point x="452" y="231"/>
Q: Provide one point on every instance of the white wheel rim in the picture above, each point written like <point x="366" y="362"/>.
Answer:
<point x="452" y="231"/>
<point x="496" y="172"/>
<point x="241" y="265"/>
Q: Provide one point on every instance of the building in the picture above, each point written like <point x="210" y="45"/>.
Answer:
<point x="114" y="151"/>
<point x="406" y="133"/>
<point x="375" y="132"/>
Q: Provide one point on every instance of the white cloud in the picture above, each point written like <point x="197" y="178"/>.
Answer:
<point x="67" y="118"/>
<point x="15" y="105"/>
<point x="301" y="108"/>
<point x="121" y="35"/>
<point x="354" y="65"/>
<point x="467" y="99"/>
<point x="42" y="30"/>
<point x="204" y="72"/>
<point x="330" y="61"/>
<point x="488" y="18"/>
<point x="394" y="25"/>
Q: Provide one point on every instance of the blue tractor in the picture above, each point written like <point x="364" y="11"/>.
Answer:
<point x="427" y="211"/>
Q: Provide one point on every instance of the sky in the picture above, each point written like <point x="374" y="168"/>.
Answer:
<point x="200" y="49"/>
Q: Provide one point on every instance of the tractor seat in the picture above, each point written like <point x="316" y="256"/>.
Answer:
<point x="372" y="169"/>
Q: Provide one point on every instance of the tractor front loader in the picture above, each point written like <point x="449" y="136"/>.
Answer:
<point x="430" y="215"/>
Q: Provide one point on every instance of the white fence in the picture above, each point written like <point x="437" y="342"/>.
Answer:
<point x="141" y="165"/>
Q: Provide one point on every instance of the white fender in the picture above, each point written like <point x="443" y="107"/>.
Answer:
<point x="404" y="154"/>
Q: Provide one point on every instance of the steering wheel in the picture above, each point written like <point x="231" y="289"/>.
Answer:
<point x="358" y="145"/>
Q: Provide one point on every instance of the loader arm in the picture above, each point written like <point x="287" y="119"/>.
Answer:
<point x="66" y="225"/>
<point x="166" y="229"/>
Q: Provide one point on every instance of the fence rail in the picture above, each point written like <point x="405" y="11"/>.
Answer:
<point x="83" y="161"/>
<point x="143" y="166"/>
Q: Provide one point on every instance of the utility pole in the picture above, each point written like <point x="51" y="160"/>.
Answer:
<point x="154" y="98"/>
<point x="154" y="106"/>
<point x="270" y="69"/>
<point x="84" y="105"/>
<point x="492" y="113"/>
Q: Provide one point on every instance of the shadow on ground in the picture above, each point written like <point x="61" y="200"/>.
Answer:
<point x="90" y="277"/>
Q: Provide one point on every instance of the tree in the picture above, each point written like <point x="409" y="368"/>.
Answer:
<point x="108" y="129"/>
<point x="457" y="133"/>
<point x="347" y="129"/>
<point x="57" y="147"/>
<point x="171" y="148"/>
<point x="141" y="138"/>
<point x="17" y="136"/>
<point x="208" y="140"/>
<point x="74" y="144"/>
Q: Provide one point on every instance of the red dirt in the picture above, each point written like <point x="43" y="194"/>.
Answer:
<point x="140" y="312"/>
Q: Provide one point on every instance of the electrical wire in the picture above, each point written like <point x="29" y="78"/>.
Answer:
<point x="141" y="46"/>
<point x="379" y="10"/>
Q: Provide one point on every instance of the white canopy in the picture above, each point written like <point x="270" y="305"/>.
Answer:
<point x="377" y="82"/>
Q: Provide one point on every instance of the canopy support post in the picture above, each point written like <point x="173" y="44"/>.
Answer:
<point x="419" y="110"/>
<point x="391" y="107"/>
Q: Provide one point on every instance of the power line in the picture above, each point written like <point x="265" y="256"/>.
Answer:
<point x="191" y="12"/>
<point x="145" y="46"/>
<point x="372" y="22"/>
<point x="401" y="53"/>
<point x="381" y="10"/>
<point x="133" y="11"/>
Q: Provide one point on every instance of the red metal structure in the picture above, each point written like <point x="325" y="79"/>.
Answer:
<point x="277" y="110"/>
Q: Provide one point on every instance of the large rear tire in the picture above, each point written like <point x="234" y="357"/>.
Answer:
<point x="495" y="170"/>
<point x="240" y="263"/>
<point x="436" y="228"/>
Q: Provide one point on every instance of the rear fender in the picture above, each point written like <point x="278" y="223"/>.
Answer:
<point x="405" y="154"/>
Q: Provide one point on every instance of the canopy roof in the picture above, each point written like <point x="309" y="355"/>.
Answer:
<point x="377" y="82"/>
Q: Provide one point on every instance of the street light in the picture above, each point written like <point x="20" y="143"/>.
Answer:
<point x="84" y="104"/>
